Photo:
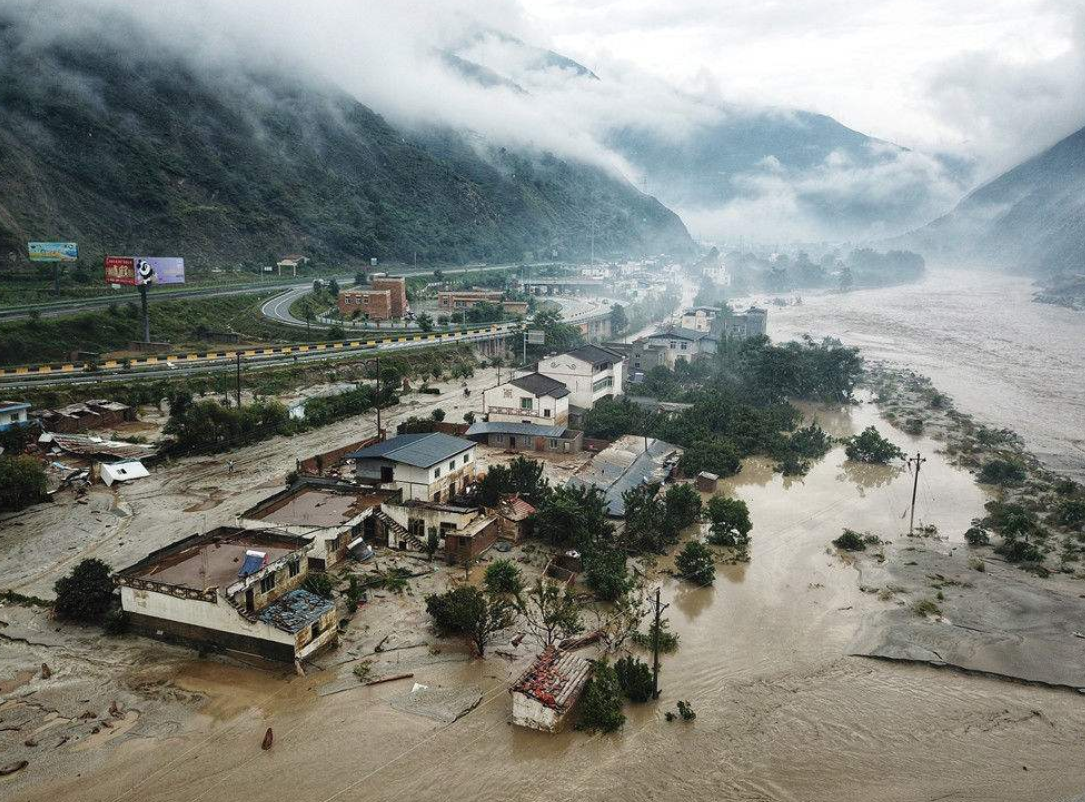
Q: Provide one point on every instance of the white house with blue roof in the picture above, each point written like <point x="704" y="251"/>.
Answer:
<point x="429" y="466"/>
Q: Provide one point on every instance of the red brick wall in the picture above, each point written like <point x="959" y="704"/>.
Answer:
<point x="397" y="288"/>
<point x="378" y="308"/>
<point x="330" y="459"/>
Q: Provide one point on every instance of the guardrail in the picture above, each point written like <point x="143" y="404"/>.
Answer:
<point x="201" y="357"/>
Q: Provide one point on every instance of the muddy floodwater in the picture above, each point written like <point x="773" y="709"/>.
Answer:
<point x="784" y="712"/>
<point x="979" y="336"/>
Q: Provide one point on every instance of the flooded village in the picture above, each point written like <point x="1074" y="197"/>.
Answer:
<point x="461" y="602"/>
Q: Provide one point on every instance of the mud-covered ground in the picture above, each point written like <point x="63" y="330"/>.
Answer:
<point x="785" y="708"/>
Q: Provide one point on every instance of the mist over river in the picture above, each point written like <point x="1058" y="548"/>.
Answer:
<point x="1006" y="360"/>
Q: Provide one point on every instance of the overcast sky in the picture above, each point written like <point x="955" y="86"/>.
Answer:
<point x="996" y="79"/>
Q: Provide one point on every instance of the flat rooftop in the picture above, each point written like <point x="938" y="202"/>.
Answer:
<point x="316" y="506"/>
<point x="211" y="560"/>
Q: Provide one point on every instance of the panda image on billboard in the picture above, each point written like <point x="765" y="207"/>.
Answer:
<point x="144" y="272"/>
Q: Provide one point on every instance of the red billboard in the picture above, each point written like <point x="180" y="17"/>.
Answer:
<point x="120" y="270"/>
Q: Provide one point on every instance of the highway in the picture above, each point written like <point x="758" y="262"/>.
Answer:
<point x="76" y="305"/>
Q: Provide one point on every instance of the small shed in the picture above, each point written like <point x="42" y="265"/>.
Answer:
<point x="707" y="482"/>
<point x="514" y="518"/>
<point x="544" y="695"/>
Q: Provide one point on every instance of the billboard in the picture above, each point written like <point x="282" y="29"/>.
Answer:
<point x="536" y="337"/>
<point x="139" y="270"/>
<point x="53" y="251"/>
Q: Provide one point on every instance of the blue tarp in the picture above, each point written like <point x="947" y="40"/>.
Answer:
<point x="254" y="561"/>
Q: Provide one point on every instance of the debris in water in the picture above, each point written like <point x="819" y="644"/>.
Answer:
<point x="11" y="768"/>
<point x="268" y="738"/>
<point x="46" y="672"/>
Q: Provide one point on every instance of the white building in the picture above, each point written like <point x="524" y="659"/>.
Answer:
<point x="718" y="275"/>
<point x="700" y="318"/>
<point x="237" y="589"/>
<point x="12" y="414"/>
<point x="330" y="514"/>
<point x="423" y="467"/>
<point x="590" y="373"/>
<point x="534" y="398"/>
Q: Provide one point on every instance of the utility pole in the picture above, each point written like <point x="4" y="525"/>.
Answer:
<point x="238" y="392"/>
<point x="146" y="314"/>
<point x="656" y="632"/>
<point x="917" y="460"/>
<point x="378" y="397"/>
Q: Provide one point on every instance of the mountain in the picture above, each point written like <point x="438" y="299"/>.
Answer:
<point x="129" y="153"/>
<point x="1031" y="217"/>
<point x="734" y="170"/>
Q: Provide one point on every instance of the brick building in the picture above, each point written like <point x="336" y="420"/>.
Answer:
<point x="397" y="288"/>
<point x="377" y="304"/>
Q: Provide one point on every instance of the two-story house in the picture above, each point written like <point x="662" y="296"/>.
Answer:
<point x="590" y="373"/>
<point x="13" y="414"/>
<point x="233" y="588"/>
<point x="700" y="318"/>
<point x="675" y="345"/>
<point x="424" y="467"/>
<point x="534" y="398"/>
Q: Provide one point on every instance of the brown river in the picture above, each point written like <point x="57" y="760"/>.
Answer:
<point x="783" y="711"/>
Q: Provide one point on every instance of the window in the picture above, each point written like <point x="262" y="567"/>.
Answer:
<point x="452" y="465"/>
<point x="436" y="473"/>
<point x="314" y="633"/>
<point x="466" y="458"/>
<point x="526" y="403"/>
<point x="684" y="346"/>
<point x="294" y="567"/>
<point x="267" y="584"/>
<point x="546" y="413"/>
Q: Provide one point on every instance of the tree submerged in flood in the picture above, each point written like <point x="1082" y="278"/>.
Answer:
<point x="870" y="447"/>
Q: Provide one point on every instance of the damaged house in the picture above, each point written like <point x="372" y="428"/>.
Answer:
<point x="333" y="515"/>
<point x="232" y="588"/>
<point x="546" y="693"/>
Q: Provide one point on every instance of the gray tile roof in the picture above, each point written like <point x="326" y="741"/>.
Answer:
<point x="679" y="334"/>
<point x="624" y="465"/>
<point x="423" y="450"/>
<point x="294" y="611"/>
<point x="539" y="385"/>
<point x="595" y="354"/>
<point x="511" y="427"/>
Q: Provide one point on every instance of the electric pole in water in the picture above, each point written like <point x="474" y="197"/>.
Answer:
<point x="917" y="461"/>
<point x="656" y="632"/>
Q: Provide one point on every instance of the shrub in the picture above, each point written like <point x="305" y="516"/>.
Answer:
<point x="695" y="563"/>
<point x="601" y="705"/>
<point x="438" y="414"/>
<point x="926" y="607"/>
<point x="1070" y="513"/>
<point x="1003" y="472"/>
<point x="22" y="483"/>
<point x="977" y="536"/>
<point x="469" y="612"/>
<point x="683" y="506"/>
<point x="668" y="641"/>
<point x="319" y="583"/>
<point x="715" y="455"/>
<point x="1019" y="551"/>
<point x="870" y="447"/>
<point x="116" y="622"/>
<point x="635" y="678"/>
<point x="606" y="573"/>
<point x="86" y="594"/>
<point x="502" y="576"/>
<point x="850" y="541"/>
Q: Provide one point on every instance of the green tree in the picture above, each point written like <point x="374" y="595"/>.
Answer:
<point x="683" y="506"/>
<point x="425" y="322"/>
<point x="601" y="705"/>
<point x="526" y="479"/>
<point x="870" y="447"/>
<point x="438" y="414"/>
<point x="503" y="577"/>
<point x="469" y="612"/>
<point x="611" y="418"/>
<point x="1070" y="513"/>
<point x="22" y="483"/>
<point x="714" y="455"/>
<point x="86" y="594"/>
<point x="573" y="516"/>
<point x="618" y="320"/>
<point x="647" y="526"/>
<point x="635" y="678"/>
<point x="850" y="541"/>
<point x="695" y="563"/>
<point x="606" y="572"/>
<point x="551" y="611"/>
<point x="730" y="521"/>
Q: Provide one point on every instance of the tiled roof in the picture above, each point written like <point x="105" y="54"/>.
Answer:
<point x="511" y="427"/>
<point x="422" y="450"/>
<point x="539" y="385"/>
<point x="555" y="679"/>
<point x="594" y="354"/>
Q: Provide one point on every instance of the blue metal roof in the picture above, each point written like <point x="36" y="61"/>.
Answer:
<point x="423" y="450"/>
<point x="294" y="611"/>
